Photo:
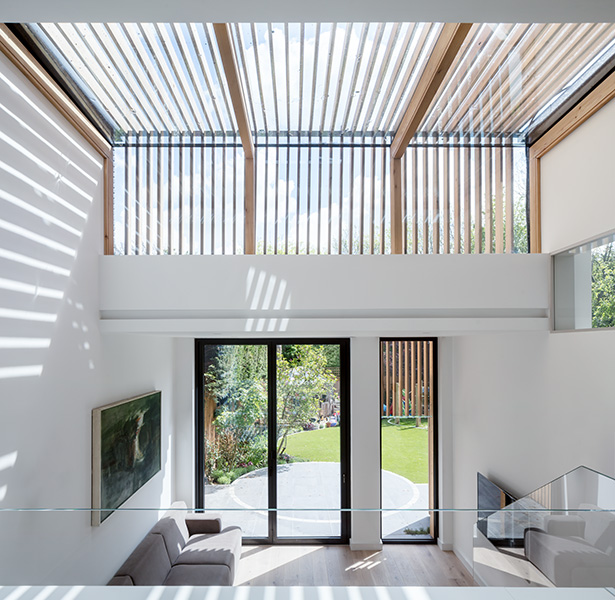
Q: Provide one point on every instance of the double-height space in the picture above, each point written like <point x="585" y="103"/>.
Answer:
<point x="311" y="276"/>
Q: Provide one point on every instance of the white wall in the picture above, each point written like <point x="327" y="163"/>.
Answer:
<point x="54" y="365"/>
<point x="365" y="442"/>
<point x="577" y="183"/>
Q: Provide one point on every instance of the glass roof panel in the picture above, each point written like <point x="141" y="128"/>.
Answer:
<point x="330" y="78"/>
<point x="508" y="77"/>
<point x="321" y="79"/>
<point x="164" y="78"/>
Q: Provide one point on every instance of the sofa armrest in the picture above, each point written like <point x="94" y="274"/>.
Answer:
<point x="121" y="580"/>
<point x="198" y="523"/>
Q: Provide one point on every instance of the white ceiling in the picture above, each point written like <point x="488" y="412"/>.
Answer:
<point x="485" y="11"/>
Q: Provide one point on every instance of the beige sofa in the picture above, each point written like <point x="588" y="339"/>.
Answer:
<point x="183" y="548"/>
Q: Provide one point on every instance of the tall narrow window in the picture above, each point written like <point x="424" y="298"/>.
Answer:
<point x="408" y="383"/>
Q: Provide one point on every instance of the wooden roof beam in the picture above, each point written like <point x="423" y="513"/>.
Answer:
<point x="444" y="52"/>
<point x="231" y="71"/>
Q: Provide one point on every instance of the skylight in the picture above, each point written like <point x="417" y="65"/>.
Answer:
<point x="324" y="79"/>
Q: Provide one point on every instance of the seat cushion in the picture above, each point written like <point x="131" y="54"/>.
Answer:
<point x="149" y="563"/>
<point x="172" y="527"/>
<point x="222" y="548"/>
<point x="199" y="575"/>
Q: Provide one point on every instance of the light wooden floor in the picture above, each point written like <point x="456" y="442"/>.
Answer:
<point x="394" y="565"/>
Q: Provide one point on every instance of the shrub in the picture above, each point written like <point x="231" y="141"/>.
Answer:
<point x="215" y="475"/>
<point x="224" y="480"/>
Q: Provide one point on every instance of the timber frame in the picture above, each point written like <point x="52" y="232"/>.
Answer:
<point x="233" y="79"/>
<point x="445" y="51"/>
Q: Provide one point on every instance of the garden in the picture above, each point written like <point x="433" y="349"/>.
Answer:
<point x="236" y="382"/>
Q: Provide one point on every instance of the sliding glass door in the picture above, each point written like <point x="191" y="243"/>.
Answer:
<point x="272" y="429"/>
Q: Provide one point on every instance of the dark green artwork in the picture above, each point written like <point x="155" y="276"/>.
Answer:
<point x="129" y="448"/>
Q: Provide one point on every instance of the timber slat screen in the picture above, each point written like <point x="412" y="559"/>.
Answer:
<point x="179" y="195"/>
<point x="464" y="195"/>
<point x="318" y="198"/>
<point x="407" y="378"/>
<point x="323" y="198"/>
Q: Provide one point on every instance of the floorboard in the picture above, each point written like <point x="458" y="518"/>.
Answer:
<point x="394" y="565"/>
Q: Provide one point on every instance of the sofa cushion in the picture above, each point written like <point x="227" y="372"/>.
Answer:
<point x="223" y="548"/>
<point x="149" y="563"/>
<point x="172" y="527"/>
<point x="199" y="575"/>
<point x="203" y="523"/>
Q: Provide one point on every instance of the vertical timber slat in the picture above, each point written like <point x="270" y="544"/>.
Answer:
<point x="509" y="199"/>
<point x="499" y="207"/>
<point x="467" y="202"/>
<point x="249" y="208"/>
<point x="489" y="154"/>
<point x="396" y="215"/>
<point x="436" y="216"/>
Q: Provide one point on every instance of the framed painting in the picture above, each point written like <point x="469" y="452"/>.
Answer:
<point x="126" y="438"/>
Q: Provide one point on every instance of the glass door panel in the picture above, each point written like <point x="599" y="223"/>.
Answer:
<point x="308" y="441"/>
<point x="235" y="427"/>
<point x="272" y="437"/>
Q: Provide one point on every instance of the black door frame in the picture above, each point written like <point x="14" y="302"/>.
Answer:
<point x="272" y="343"/>
<point x="434" y="470"/>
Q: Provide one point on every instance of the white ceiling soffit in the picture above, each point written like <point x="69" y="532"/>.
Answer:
<point x="477" y="11"/>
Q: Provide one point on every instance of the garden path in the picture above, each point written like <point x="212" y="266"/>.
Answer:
<point x="313" y="485"/>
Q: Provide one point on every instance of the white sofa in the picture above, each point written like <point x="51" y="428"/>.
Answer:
<point x="575" y="550"/>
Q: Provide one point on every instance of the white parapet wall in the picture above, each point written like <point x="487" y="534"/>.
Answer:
<point x="324" y="295"/>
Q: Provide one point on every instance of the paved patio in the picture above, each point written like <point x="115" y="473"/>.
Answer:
<point x="312" y="485"/>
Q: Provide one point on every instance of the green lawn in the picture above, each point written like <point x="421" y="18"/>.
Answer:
<point x="404" y="449"/>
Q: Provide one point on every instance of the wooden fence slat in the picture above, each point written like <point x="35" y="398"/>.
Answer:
<point x="387" y="378"/>
<point x="413" y="377"/>
<point x="419" y="382"/>
<point x="406" y="373"/>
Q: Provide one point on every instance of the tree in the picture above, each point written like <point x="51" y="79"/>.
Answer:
<point x="238" y="379"/>
<point x="603" y="286"/>
<point x="302" y="380"/>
